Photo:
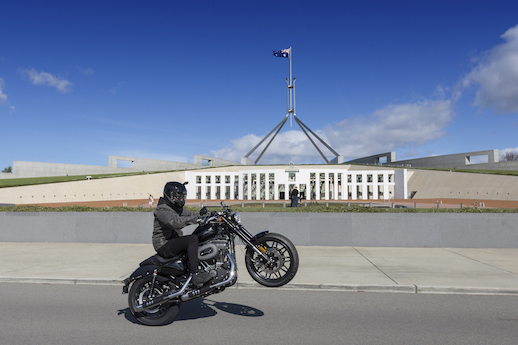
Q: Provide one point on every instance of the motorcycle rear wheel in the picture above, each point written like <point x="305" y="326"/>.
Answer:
<point x="140" y="292"/>
<point x="283" y="263"/>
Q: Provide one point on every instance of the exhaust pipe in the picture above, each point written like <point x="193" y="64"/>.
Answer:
<point x="192" y="294"/>
<point x="162" y="298"/>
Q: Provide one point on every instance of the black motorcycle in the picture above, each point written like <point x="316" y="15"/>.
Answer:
<point x="160" y="285"/>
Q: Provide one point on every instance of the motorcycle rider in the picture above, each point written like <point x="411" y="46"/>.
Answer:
<point x="170" y="218"/>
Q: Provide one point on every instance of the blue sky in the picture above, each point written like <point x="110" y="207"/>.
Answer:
<point x="163" y="79"/>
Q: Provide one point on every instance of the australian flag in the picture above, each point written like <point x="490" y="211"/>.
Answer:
<point x="282" y="53"/>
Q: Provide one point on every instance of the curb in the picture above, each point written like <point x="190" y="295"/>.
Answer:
<point x="412" y="289"/>
<point x="77" y="281"/>
<point x="457" y="290"/>
<point x="331" y="287"/>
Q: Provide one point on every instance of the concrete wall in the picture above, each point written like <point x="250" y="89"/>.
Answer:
<point x="145" y="164"/>
<point x="389" y="157"/>
<point x="455" y="185"/>
<point x="458" y="160"/>
<point x="467" y="160"/>
<point x="23" y="169"/>
<point x="308" y="229"/>
<point x="212" y="162"/>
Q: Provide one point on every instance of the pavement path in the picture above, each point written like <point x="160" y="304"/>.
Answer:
<point x="369" y="269"/>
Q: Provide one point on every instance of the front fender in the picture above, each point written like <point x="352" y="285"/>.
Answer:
<point x="137" y="274"/>
<point x="259" y="235"/>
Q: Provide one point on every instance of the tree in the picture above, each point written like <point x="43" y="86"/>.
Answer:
<point x="509" y="156"/>
<point x="8" y="170"/>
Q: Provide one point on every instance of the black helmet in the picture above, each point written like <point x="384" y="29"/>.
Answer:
<point x="175" y="192"/>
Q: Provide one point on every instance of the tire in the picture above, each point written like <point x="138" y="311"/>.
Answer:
<point x="158" y="316"/>
<point x="283" y="265"/>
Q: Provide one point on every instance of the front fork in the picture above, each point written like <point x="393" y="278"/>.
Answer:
<point x="249" y="240"/>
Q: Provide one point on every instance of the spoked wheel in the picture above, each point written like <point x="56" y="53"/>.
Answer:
<point x="141" y="291"/>
<point x="282" y="263"/>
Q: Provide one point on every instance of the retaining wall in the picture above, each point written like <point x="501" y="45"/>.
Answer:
<point x="485" y="230"/>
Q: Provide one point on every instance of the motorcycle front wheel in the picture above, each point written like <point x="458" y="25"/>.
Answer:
<point x="282" y="263"/>
<point x="141" y="291"/>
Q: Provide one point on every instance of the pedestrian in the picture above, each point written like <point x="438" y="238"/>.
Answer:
<point x="294" y="197"/>
<point x="151" y="201"/>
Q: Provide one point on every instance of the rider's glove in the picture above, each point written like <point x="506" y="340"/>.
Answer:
<point x="203" y="211"/>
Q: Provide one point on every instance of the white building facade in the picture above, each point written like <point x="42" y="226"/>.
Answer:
<point x="316" y="183"/>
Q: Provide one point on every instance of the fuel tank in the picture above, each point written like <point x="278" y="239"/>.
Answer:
<point x="207" y="231"/>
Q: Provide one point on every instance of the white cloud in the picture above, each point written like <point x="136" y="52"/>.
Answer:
<point x="387" y="129"/>
<point x="44" y="78"/>
<point x="497" y="76"/>
<point x="3" y="96"/>
<point x="86" y="71"/>
<point x="390" y="128"/>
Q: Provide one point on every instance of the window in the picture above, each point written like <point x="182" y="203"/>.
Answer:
<point x="198" y="179"/>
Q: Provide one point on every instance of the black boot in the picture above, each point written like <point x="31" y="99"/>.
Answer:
<point x="200" y="277"/>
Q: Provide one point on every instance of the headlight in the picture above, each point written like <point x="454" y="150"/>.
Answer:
<point x="237" y="217"/>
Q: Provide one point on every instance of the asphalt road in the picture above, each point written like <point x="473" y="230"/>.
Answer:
<point x="90" y="314"/>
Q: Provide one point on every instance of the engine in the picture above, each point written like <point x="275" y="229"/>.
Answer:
<point x="213" y="256"/>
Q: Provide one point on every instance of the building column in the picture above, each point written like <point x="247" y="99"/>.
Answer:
<point x="213" y="187"/>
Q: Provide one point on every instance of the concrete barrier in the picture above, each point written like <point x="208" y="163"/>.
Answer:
<point x="481" y="230"/>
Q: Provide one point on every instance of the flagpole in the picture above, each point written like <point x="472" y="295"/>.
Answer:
<point x="290" y="86"/>
<point x="290" y="108"/>
<point x="291" y="67"/>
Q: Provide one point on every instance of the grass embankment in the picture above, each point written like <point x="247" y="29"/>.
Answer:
<point x="30" y="181"/>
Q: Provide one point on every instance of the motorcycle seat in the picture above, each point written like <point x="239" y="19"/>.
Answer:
<point x="158" y="260"/>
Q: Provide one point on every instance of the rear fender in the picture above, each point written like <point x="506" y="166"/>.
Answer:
<point x="137" y="274"/>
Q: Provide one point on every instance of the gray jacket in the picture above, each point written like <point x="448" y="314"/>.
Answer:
<point x="169" y="222"/>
